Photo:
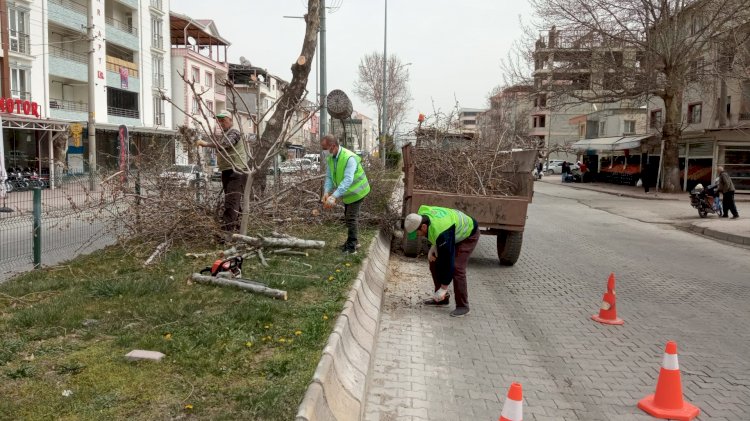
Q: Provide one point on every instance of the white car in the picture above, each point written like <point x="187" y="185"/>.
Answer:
<point x="184" y="175"/>
<point x="555" y="167"/>
<point x="296" y="165"/>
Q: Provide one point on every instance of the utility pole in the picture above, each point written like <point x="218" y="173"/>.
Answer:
<point x="323" y="126"/>
<point x="92" y="95"/>
<point x="383" y="118"/>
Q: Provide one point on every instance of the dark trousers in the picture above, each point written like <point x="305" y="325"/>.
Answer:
<point x="351" y="217"/>
<point x="460" y="288"/>
<point x="233" y="183"/>
<point x="729" y="205"/>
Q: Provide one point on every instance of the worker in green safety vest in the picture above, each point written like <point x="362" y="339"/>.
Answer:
<point x="346" y="182"/>
<point x="453" y="236"/>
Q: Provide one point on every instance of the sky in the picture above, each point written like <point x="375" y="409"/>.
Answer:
<point x="455" y="47"/>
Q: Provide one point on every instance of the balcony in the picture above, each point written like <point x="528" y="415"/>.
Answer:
<point x="20" y="42"/>
<point x="157" y="41"/>
<point x="123" y="112"/>
<point x="114" y="75"/>
<point x="68" y="64"/>
<point x="68" y="13"/>
<point x="68" y="110"/>
<point x="122" y="34"/>
<point x="25" y="95"/>
<point x="744" y="116"/>
<point x="133" y="4"/>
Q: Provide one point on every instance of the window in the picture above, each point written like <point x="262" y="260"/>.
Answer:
<point x="19" y="30"/>
<point x="696" y="24"/>
<point x="694" y="113"/>
<point x="540" y="100"/>
<point x="581" y="130"/>
<point x="157" y="40"/>
<point x="196" y="74"/>
<point x="540" y="120"/>
<point x="628" y="127"/>
<point x="158" y="111"/>
<point x="655" y="122"/>
<point x="209" y="80"/>
<point x="157" y="66"/>
<point x="19" y="83"/>
<point x="194" y="106"/>
<point x="696" y="69"/>
<point x="602" y="128"/>
<point x="210" y="106"/>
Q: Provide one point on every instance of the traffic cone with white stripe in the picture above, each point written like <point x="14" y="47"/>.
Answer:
<point x="513" y="407"/>
<point x="667" y="402"/>
<point x="608" y="310"/>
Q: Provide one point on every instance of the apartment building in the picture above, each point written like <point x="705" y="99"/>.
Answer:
<point x="467" y="119"/>
<point x="509" y="112"/>
<point x="48" y="68"/>
<point x="198" y="57"/>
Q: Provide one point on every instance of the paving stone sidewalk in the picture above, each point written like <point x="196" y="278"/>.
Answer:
<point x="530" y="323"/>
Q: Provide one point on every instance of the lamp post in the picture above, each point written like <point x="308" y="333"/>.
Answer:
<point x="385" y="81"/>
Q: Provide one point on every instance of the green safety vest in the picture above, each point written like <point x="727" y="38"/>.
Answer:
<point x="441" y="219"/>
<point x="360" y="187"/>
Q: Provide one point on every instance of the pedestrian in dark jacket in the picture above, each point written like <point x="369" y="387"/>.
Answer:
<point x="565" y="170"/>
<point x="726" y="187"/>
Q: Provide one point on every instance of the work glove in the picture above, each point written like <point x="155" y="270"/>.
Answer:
<point x="202" y="143"/>
<point x="440" y="294"/>
<point x="432" y="254"/>
<point x="330" y="202"/>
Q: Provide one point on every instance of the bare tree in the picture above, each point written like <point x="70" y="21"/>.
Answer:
<point x="369" y="87"/>
<point x="635" y="50"/>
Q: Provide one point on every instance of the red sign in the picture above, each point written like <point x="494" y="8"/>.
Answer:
<point x="19" y="106"/>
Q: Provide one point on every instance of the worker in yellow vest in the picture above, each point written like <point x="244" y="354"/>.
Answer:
<point x="453" y="236"/>
<point x="346" y="182"/>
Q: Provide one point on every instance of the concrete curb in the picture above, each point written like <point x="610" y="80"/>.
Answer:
<point x="720" y="235"/>
<point x="614" y="193"/>
<point x="338" y="389"/>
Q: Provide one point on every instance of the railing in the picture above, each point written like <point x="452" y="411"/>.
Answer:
<point x="114" y="64"/>
<point x="157" y="41"/>
<point x="158" y="81"/>
<point x="20" y="42"/>
<point x="56" y="51"/>
<point x="121" y="25"/>
<point x="122" y="112"/>
<point x="64" y="104"/>
<point x="159" y="119"/>
<point x="74" y="6"/>
<point x="25" y="95"/>
<point x="156" y="4"/>
<point x="583" y="39"/>
<point x="219" y="88"/>
<point x="744" y="116"/>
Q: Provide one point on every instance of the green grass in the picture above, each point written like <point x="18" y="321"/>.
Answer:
<point x="229" y="354"/>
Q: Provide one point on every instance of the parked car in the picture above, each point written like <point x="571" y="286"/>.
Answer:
<point x="184" y="175"/>
<point x="296" y="165"/>
<point x="555" y="167"/>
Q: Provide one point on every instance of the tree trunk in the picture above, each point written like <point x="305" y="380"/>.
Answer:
<point x="670" y="135"/>
<point x="296" y="90"/>
<point x="280" y="242"/>
<point x="251" y="286"/>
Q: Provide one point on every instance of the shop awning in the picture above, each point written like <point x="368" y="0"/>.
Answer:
<point x="617" y="143"/>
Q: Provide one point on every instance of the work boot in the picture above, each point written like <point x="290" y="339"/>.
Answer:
<point x="460" y="312"/>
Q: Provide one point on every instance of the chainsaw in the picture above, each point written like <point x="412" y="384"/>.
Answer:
<point x="232" y="265"/>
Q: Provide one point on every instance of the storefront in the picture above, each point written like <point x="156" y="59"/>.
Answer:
<point x="30" y="142"/>
<point x="619" y="159"/>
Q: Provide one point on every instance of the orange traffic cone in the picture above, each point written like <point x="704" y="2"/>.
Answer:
<point x="667" y="402"/>
<point x="513" y="407"/>
<point x="608" y="310"/>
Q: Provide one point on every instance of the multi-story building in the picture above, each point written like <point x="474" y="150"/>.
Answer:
<point x="467" y="119"/>
<point x="48" y="66"/>
<point x="509" y="113"/>
<point x="199" y="71"/>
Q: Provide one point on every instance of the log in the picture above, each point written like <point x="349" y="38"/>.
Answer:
<point x="280" y="242"/>
<point x="245" y="284"/>
<point x="262" y="258"/>
<point x="159" y="250"/>
<point x="291" y="253"/>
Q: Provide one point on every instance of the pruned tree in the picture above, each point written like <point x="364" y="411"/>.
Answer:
<point x="507" y="114"/>
<point x="369" y="87"/>
<point x="631" y="50"/>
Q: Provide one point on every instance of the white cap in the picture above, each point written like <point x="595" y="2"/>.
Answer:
<point x="412" y="222"/>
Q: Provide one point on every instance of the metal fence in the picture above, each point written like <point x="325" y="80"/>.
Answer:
<point x="43" y="226"/>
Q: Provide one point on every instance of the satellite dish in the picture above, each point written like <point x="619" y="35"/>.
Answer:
<point x="192" y="41"/>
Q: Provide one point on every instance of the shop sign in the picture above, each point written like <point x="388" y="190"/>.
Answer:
<point x="76" y="129"/>
<point x="19" y="106"/>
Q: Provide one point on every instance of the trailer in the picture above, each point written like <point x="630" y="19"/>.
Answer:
<point x="501" y="216"/>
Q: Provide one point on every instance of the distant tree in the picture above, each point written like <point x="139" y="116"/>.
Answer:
<point x="369" y="87"/>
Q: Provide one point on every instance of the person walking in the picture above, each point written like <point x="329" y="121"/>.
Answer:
<point x="345" y="181"/>
<point x="726" y="187"/>
<point x="232" y="160"/>
<point x="539" y="169"/>
<point x="565" y="171"/>
<point x="646" y="178"/>
<point x="453" y="236"/>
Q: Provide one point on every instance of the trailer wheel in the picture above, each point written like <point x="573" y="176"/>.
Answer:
<point x="411" y="246"/>
<point x="509" y="246"/>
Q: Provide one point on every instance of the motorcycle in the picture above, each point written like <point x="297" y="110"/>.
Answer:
<point x="705" y="200"/>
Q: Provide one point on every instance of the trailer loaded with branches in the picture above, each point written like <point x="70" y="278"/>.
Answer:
<point x="494" y="185"/>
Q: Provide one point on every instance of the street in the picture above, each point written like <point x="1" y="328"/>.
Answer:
<point x="531" y="323"/>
